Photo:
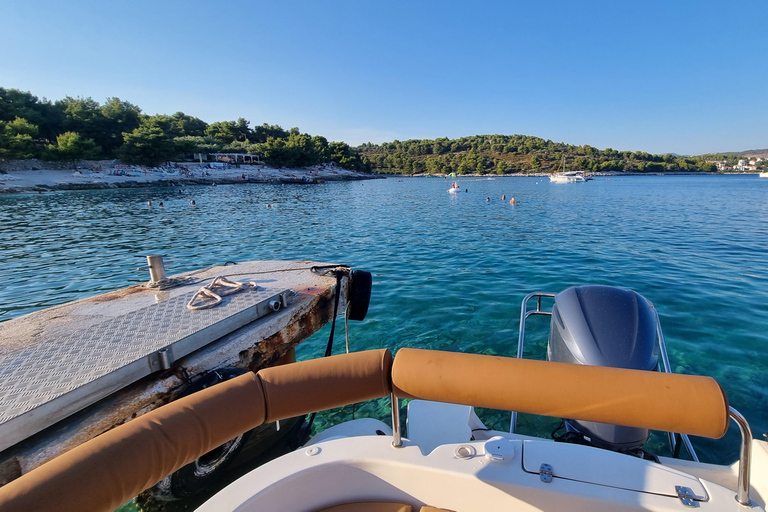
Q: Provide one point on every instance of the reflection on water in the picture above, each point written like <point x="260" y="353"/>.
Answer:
<point x="449" y="270"/>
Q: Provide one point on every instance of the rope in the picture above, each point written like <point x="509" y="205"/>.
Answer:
<point x="170" y="282"/>
<point x="210" y="295"/>
<point x="339" y="272"/>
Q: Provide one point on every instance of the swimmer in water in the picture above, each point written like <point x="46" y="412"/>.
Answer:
<point x="503" y="196"/>
<point x="512" y="201"/>
<point x="269" y="205"/>
<point x="161" y="203"/>
<point x="487" y="198"/>
<point x="149" y="203"/>
<point x="192" y="202"/>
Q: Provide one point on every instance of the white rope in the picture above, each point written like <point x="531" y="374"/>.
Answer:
<point x="210" y="295"/>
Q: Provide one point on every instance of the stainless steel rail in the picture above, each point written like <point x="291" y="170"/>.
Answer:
<point x="524" y="314"/>
<point x="742" y="488"/>
<point x="395" y="405"/>
<point x="668" y="369"/>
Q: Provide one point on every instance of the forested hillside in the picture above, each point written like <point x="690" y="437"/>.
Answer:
<point x="79" y="128"/>
<point x="508" y="154"/>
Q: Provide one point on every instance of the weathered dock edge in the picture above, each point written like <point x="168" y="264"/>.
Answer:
<point x="251" y="347"/>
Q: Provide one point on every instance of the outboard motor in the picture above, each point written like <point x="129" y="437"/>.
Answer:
<point x="604" y="326"/>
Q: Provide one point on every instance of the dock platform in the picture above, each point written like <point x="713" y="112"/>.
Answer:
<point x="70" y="372"/>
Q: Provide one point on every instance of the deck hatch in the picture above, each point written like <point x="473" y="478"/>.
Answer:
<point x="602" y="467"/>
<point x="75" y="368"/>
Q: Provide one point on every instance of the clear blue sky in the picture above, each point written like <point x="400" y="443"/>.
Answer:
<point x="678" y="76"/>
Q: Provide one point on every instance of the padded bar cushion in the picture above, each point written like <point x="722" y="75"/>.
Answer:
<point x="661" y="401"/>
<point x="319" y="384"/>
<point x="369" y="506"/>
<point x="112" y="468"/>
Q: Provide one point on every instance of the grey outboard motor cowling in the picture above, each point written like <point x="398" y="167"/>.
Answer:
<point x="604" y="326"/>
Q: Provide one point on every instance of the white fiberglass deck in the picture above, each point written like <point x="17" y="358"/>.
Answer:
<point x="77" y="363"/>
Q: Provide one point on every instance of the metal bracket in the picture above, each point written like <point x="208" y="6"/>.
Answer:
<point x="687" y="497"/>
<point x="161" y="360"/>
<point x="545" y="473"/>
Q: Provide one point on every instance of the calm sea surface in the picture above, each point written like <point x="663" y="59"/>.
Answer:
<point x="450" y="271"/>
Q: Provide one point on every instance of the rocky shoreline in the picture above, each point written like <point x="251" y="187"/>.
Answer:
<point x="36" y="176"/>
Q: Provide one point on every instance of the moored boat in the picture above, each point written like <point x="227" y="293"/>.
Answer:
<point x="567" y="176"/>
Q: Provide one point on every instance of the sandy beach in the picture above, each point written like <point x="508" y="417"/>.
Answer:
<point x="94" y="175"/>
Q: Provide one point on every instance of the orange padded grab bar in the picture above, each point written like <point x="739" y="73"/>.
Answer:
<point x="685" y="404"/>
<point x="112" y="468"/>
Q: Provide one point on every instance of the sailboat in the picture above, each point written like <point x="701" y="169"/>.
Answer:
<point x="567" y="176"/>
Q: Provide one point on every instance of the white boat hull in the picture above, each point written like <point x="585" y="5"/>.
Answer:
<point x="567" y="178"/>
<point x="500" y="474"/>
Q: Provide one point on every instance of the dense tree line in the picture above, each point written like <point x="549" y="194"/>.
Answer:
<point x="81" y="128"/>
<point x="513" y="154"/>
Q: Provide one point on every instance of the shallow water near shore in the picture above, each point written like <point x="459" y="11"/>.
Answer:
<point x="449" y="270"/>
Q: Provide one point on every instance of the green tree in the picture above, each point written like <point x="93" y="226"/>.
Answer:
<point x="147" y="145"/>
<point x="83" y="116"/>
<point x="266" y="131"/>
<point x="118" y="117"/>
<point x="189" y="125"/>
<point x="17" y="139"/>
<point x="185" y="147"/>
<point x="535" y="162"/>
<point x="39" y="112"/>
<point x="223" y="131"/>
<point x="71" y="147"/>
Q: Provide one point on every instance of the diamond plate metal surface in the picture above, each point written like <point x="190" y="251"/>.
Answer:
<point x="40" y="374"/>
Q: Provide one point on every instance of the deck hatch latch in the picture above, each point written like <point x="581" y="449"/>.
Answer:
<point x="687" y="497"/>
<point x="545" y="473"/>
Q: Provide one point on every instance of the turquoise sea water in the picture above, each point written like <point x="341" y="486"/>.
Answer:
<point x="449" y="270"/>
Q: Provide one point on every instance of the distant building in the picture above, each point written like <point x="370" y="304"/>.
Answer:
<point x="230" y="158"/>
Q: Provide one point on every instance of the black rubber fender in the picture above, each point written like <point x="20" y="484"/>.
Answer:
<point x="192" y="478"/>
<point x="359" y="294"/>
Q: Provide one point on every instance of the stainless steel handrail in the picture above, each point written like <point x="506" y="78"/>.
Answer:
<point x="668" y="369"/>
<point x="395" y="405"/>
<point x="742" y="488"/>
<point x="524" y="314"/>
